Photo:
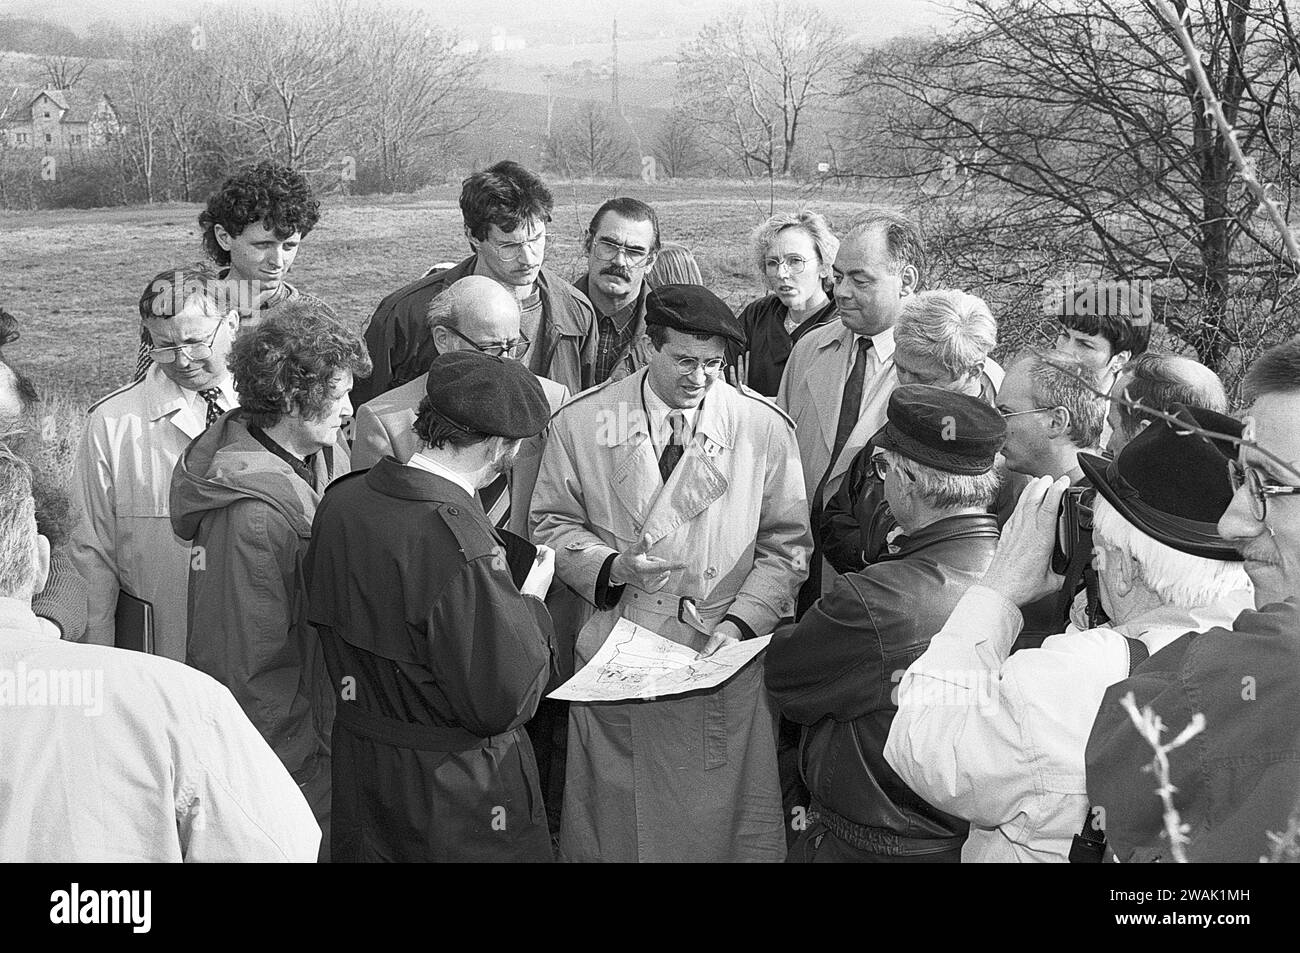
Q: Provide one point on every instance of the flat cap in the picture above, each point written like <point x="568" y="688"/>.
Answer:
<point x="942" y="429"/>
<point x="486" y="394"/>
<point x="693" y="309"/>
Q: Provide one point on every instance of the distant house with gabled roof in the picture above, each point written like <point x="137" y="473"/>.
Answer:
<point x="53" y="121"/>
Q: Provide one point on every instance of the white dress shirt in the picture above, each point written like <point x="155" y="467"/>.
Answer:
<point x="421" y="462"/>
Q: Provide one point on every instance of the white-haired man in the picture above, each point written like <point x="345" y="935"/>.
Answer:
<point x="1237" y="780"/>
<point x="1000" y="740"/>
<point x="943" y="339"/>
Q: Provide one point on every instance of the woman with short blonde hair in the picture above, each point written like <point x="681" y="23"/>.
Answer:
<point x="794" y="252"/>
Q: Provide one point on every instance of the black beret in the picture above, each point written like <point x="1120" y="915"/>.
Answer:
<point x="486" y="394"/>
<point x="693" y="309"/>
<point x="942" y="429"/>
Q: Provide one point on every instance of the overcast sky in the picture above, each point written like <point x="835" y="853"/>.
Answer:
<point x="533" y="18"/>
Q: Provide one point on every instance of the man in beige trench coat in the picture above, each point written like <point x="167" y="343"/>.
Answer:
<point x="670" y="485"/>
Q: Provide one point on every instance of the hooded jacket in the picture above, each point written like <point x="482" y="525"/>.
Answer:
<point x="249" y="517"/>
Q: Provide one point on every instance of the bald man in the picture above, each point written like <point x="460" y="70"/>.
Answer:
<point x="1159" y="381"/>
<point x="475" y="312"/>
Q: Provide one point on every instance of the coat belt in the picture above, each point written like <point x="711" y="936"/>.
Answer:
<point x="878" y="840"/>
<point x="403" y="734"/>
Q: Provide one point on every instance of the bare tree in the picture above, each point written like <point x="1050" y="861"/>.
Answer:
<point x="411" y="111"/>
<point x="65" y="67"/>
<point x="1050" y="136"/>
<point x="750" y="79"/>
<point x="677" y="145"/>
<point x="591" y="142"/>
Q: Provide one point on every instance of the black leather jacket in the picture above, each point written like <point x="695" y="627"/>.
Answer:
<point x="837" y="670"/>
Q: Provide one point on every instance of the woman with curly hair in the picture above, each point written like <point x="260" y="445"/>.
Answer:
<point x="794" y="253"/>
<point x="245" y="493"/>
<point x="252" y="228"/>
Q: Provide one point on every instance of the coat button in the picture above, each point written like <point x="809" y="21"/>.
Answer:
<point x="453" y="511"/>
<point x="710" y="572"/>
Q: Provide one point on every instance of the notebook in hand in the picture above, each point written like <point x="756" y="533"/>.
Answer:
<point x="520" y="555"/>
<point x="133" y="624"/>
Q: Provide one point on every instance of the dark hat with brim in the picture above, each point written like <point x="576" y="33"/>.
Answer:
<point x="1173" y="484"/>
<point x="482" y="393"/>
<point x="692" y="309"/>
<point x="942" y="429"/>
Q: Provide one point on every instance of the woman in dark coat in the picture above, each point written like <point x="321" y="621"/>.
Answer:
<point x="794" y="252"/>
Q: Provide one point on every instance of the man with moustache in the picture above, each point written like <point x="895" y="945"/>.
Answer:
<point x="438" y="657"/>
<point x="1237" y="779"/>
<point x="665" y="492"/>
<point x="506" y="210"/>
<point x="622" y="243"/>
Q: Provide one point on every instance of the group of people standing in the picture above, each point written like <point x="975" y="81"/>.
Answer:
<point x="390" y="547"/>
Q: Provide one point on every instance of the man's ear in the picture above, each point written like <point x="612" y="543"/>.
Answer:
<point x="910" y="278"/>
<point x="1058" y="421"/>
<point x="1117" y="362"/>
<point x="441" y="338"/>
<point x="1125" y="573"/>
<point x="224" y="238"/>
<point x="41" y="557"/>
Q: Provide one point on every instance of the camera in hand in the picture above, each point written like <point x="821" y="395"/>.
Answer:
<point x="1073" y="527"/>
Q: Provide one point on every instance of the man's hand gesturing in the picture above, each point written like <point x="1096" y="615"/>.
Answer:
<point x="642" y="570"/>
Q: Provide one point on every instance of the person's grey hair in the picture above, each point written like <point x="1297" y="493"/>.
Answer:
<point x="1062" y="381"/>
<point x="814" y="224"/>
<point x="17" y="527"/>
<point x="1276" y="371"/>
<point x="1161" y="380"/>
<point x="904" y="242"/>
<point x="1178" y="579"/>
<point x="951" y="327"/>
<point x="441" y="312"/>
<point x="948" y="491"/>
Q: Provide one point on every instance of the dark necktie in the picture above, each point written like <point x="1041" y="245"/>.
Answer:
<point x="495" y="498"/>
<point x="851" y="401"/>
<point x="676" y="445"/>
<point x="213" y="396"/>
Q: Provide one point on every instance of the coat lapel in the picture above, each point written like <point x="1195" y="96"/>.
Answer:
<point x="825" y="382"/>
<point x="696" y="482"/>
<point x="636" y="480"/>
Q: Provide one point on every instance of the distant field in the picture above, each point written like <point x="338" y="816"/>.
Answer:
<point x="73" y="277"/>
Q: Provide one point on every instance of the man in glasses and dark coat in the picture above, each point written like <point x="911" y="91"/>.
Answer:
<point x="506" y="209"/>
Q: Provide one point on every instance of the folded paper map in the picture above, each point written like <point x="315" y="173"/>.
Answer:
<point x="636" y="663"/>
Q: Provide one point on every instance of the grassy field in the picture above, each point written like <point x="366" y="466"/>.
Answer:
<point x="73" y="277"/>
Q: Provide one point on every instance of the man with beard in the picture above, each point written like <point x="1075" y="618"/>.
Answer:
<point x="439" y="658"/>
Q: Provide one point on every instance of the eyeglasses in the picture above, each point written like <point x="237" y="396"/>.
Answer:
<point x="1258" y="491"/>
<point x="511" y="349"/>
<point x="607" y="250"/>
<point x="795" y="264"/>
<point x="509" y="251"/>
<point x="688" y="365"/>
<point x="195" y="352"/>
<point x="1016" y="413"/>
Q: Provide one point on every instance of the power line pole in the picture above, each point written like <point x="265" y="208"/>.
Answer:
<point x="613" y="100"/>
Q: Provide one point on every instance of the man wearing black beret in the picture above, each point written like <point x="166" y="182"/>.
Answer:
<point x="834" y="671"/>
<point x="439" y="658"/>
<point x="677" y="502"/>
